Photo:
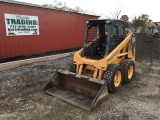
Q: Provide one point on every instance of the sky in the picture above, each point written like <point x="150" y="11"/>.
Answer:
<point x="131" y="8"/>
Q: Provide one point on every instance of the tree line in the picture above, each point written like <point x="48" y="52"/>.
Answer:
<point x="140" y="21"/>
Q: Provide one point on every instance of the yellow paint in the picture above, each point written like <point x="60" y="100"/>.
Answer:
<point x="99" y="66"/>
<point x="80" y="69"/>
<point x="117" y="78"/>
<point x="130" y="72"/>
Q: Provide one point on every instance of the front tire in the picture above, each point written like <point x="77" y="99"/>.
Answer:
<point x="113" y="77"/>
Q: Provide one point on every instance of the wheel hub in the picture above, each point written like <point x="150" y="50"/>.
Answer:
<point x="117" y="78"/>
<point x="130" y="72"/>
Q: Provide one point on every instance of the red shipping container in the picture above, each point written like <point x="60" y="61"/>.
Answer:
<point x="58" y="30"/>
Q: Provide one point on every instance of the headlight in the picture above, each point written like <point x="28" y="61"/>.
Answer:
<point x="87" y="21"/>
<point x="108" y="21"/>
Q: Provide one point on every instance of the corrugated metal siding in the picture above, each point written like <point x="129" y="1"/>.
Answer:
<point x="58" y="30"/>
<point x="92" y="34"/>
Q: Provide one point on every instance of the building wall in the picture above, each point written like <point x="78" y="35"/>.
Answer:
<point x="58" y="30"/>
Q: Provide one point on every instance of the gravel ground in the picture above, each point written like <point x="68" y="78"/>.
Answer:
<point x="22" y="97"/>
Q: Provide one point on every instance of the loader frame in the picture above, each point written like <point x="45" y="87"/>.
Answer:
<point x="89" y="79"/>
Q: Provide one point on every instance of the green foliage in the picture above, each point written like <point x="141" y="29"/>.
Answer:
<point x="142" y="21"/>
<point x="125" y="18"/>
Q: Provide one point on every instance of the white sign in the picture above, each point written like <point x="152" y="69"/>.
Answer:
<point x="21" y="25"/>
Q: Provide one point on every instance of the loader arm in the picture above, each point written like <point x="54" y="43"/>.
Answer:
<point x="123" y="50"/>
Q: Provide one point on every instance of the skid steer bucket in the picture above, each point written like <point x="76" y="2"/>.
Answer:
<point x="79" y="90"/>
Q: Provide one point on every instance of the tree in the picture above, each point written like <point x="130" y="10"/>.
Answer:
<point x="64" y="7"/>
<point x="125" y="18"/>
<point x="142" y="21"/>
<point x="114" y="15"/>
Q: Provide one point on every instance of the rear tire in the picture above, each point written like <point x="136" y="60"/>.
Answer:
<point x="128" y="68"/>
<point x="72" y="68"/>
<point x="113" y="77"/>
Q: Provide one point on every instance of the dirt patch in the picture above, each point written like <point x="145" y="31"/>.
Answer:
<point x="22" y="95"/>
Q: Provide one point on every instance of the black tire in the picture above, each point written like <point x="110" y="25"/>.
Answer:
<point x="72" y="68"/>
<point x="109" y="76"/>
<point x="125" y="65"/>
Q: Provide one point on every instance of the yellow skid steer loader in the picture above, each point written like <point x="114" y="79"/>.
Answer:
<point x="106" y="60"/>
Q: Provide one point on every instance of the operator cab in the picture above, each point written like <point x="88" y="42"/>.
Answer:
<point x="102" y="37"/>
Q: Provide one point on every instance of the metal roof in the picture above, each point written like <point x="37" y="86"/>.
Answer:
<point x="157" y="23"/>
<point x="39" y="6"/>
